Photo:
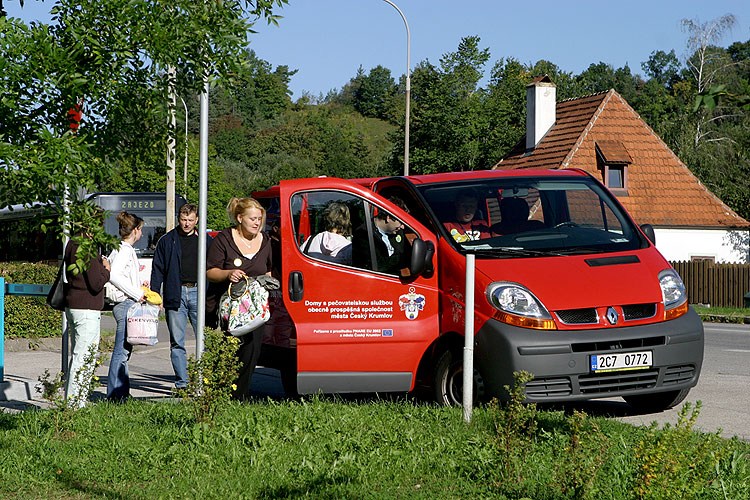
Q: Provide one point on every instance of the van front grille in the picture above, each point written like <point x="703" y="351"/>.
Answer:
<point x="678" y="374"/>
<point x="638" y="311"/>
<point x="549" y="387"/>
<point x="600" y="383"/>
<point x="585" y="316"/>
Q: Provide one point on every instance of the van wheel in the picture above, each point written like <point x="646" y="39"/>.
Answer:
<point x="656" y="402"/>
<point x="448" y="379"/>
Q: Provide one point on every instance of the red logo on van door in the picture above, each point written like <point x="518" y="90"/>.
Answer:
<point x="411" y="303"/>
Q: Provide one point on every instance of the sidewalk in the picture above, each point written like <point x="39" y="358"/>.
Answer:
<point x="151" y="374"/>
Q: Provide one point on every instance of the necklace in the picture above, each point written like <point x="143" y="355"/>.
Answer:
<point x="244" y="241"/>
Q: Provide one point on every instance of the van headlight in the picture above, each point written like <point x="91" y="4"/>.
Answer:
<point x="673" y="294"/>
<point x="517" y="306"/>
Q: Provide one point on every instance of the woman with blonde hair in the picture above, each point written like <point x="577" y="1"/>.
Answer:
<point x="124" y="276"/>
<point x="239" y="251"/>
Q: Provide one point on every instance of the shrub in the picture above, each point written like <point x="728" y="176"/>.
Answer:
<point x="30" y="317"/>
<point x="211" y="378"/>
<point x="53" y="390"/>
<point x="675" y="462"/>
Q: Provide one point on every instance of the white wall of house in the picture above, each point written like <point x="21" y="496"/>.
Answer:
<point x="725" y="246"/>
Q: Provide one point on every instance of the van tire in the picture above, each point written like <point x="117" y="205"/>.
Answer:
<point x="447" y="381"/>
<point x="656" y="402"/>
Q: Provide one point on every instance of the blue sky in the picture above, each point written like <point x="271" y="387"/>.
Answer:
<point x="327" y="40"/>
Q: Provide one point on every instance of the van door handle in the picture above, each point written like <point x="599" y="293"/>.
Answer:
<point x="296" y="286"/>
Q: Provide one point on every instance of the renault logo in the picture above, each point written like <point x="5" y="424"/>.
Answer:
<point x="611" y="315"/>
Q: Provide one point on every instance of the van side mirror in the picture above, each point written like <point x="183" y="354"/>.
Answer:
<point x="648" y="230"/>
<point x="421" y="258"/>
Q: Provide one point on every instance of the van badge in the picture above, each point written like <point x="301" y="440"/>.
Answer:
<point x="611" y="315"/>
<point x="411" y="303"/>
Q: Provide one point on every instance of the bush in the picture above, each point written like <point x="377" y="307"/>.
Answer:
<point x="211" y="378"/>
<point x="30" y="317"/>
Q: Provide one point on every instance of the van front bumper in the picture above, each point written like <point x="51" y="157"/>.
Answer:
<point x="560" y="359"/>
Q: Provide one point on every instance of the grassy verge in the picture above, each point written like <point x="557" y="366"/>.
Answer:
<point x="723" y="314"/>
<point x="323" y="448"/>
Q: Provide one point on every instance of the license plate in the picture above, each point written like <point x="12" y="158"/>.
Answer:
<point x="621" y="361"/>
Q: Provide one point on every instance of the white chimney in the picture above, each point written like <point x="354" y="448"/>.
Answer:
<point x="541" y="101"/>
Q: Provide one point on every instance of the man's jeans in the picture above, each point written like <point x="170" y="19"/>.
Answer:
<point x="118" y="378"/>
<point x="177" y="322"/>
<point x="84" y="329"/>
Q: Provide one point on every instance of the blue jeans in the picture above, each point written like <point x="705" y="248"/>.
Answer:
<point x="118" y="378"/>
<point x="177" y="322"/>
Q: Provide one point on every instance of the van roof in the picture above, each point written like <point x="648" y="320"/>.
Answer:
<point x="273" y="191"/>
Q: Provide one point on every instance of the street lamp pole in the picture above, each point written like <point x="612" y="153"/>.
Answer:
<point x="186" y="148"/>
<point x="408" y="87"/>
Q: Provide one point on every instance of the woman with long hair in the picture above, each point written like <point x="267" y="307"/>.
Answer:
<point x="124" y="276"/>
<point x="239" y="251"/>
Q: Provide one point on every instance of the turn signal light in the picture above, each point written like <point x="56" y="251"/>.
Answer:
<point x="523" y="322"/>
<point x="676" y="312"/>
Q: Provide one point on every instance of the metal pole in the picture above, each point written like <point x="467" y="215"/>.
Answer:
<point x="2" y="329"/>
<point x="468" y="387"/>
<point x="172" y="104"/>
<point x="66" y="239"/>
<point x="408" y="87"/>
<point x="184" y="172"/>
<point x="202" y="210"/>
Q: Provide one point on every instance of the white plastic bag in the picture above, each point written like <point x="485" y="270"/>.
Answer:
<point x="143" y="324"/>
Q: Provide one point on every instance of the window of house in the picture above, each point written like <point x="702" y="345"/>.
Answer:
<point x="612" y="160"/>
<point x="699" y="258"/>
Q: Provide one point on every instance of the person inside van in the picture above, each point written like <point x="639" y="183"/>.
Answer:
<point x="391" y="247"/>
<point x="467" y="224"/>
<point x="514" y="213"/>
<point x="332" y="244"/>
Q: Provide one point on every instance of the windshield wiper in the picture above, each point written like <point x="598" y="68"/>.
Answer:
<point x="525" y="252"/>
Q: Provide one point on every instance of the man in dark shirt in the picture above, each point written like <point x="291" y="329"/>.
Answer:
<point x="175" y="266"/>
<point x="391" y="248"/>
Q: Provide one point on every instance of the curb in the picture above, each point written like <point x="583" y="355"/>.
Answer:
<point x="15" y="391"/>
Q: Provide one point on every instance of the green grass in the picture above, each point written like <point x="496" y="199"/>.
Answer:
<point x="723" y="314"/>
<point x="332" y="449"/>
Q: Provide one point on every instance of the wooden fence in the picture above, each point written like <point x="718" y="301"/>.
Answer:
<point x="717" y="285"/>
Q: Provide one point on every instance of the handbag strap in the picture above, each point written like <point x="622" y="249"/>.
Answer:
<point x="229" y="288"/>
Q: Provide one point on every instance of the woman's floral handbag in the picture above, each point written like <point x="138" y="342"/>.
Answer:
<point x="244" y="307"/>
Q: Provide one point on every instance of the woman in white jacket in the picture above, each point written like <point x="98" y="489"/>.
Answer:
<point x="332" y="244"/>
<point x="124" y="276"/>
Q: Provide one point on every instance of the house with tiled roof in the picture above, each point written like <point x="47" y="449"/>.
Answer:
<point x="603" y="135"/>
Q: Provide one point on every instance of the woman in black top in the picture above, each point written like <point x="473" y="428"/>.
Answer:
<point x="236" y="252"/>
<point x="84" y="299"/>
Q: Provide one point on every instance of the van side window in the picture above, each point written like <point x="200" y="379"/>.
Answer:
<point x="323" y="222"/>
<point x="344" y="229"/>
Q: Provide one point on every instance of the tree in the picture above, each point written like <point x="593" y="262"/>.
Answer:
<point x="110" y="57"/>
<point x="706" y="64"/>
<point x="373" y="92"/>
<point x="449" y="128"/>
<point x="663" y="68"/>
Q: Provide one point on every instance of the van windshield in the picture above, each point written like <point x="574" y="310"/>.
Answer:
<point x="531" y="216"/>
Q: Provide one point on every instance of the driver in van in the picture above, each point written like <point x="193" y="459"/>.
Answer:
<point x="466" y="226"/>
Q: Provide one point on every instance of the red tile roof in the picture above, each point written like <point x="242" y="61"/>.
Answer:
<point x="661" y="189"/>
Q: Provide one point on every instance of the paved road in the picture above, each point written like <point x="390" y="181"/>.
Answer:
<point x="724" y="386"/>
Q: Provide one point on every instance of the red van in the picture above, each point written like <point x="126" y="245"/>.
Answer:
<point x="568" y="288"/>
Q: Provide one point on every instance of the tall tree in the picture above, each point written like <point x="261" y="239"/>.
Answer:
<point x="108" y="56"/>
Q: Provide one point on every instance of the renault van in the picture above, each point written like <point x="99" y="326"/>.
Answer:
<point x="567" y="287"/>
